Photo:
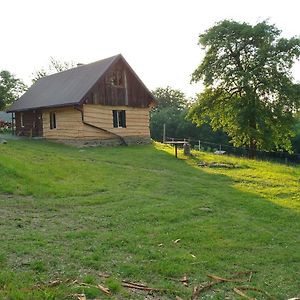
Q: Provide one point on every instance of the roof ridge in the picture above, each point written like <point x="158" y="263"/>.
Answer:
<point x="113" y="59"/>
<point x="83" y="65"/>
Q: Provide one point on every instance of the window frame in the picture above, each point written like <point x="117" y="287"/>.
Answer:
<point x="116" y="78"/>
<point x="119" y="118"/>
<point x="95" y="97"/>
<point x="22" y="120"/>
<point x="53" y="123"/>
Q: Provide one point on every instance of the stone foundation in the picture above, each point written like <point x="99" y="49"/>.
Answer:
<point x="130" y="141"/>
<point x="138" y="140"/>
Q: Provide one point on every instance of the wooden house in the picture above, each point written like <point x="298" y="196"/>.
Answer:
<point x="99" y="102"/>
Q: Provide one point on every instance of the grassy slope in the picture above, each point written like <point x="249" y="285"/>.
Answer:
<point x="69" y="213"/>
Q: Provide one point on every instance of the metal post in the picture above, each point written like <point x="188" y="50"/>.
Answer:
<point x="175" y="150"/>
<point x="13" y="124"/>
<point x="199" y="145"/>
<point x="164" y="133"/>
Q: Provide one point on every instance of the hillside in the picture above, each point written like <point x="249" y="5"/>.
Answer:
<point x="71" y="215"/>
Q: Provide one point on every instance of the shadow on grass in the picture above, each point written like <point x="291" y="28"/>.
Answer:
<point x="243" y="229"/>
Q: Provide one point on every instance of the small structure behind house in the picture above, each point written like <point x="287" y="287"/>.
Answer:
<point x="5" y="121"/>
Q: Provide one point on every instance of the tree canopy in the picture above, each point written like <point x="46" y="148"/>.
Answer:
<point x="249" y="90"/>
<point x="170" y="103"/>
<point x="10" y="88"/>
<point x="172" y="108"/>
<point x="54" y="66"/>
<point x="168" y="97"/>
<point x="296" y="139"/>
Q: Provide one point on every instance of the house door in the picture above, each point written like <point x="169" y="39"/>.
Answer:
<point x="38" y="124"/>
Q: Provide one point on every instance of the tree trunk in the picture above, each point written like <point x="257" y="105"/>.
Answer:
<point x="253" y="126"/>
<point x="252" y="149"/>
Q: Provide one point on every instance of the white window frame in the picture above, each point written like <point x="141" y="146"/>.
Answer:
<point x="22" y="120"/>
<point x="53" y="123"/>
<point x="119" y="122"/>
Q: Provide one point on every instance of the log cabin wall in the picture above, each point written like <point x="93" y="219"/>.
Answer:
<point x="69" y="126"/>
<point x="69" y="123"/>
<point x="29" y="123"/>
<point x="137" y="120"/>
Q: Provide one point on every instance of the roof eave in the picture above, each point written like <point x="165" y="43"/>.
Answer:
<point x="43" y="107"/>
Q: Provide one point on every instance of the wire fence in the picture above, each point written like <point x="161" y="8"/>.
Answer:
<point x="218" y="148"/>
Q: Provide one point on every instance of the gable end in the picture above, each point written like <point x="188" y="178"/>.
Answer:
<point x="119" y="86"/>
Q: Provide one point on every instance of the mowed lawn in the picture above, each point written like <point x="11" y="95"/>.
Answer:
<point x="139" y="214"/>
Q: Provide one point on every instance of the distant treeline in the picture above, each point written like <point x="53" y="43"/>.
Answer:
<point x="172" y="110"/>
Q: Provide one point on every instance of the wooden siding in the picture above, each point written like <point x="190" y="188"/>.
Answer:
<point x="69" y="123"/>
<point x="132" y="93"/>
<point x="137" y="119"/>
<point x="32" y="123"/>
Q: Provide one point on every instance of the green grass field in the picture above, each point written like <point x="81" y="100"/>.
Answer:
<point x="73" y="214"/>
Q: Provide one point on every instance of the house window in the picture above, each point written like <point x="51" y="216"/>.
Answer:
<point x="52" y="120"/>
<point x="95" y="98"/>
<point x="22" y="120"/>
<point x="115" y="78"/>
<point x="119" y="118"/>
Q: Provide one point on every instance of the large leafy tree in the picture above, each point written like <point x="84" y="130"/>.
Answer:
<point x="10" y="88"/>
<point x="249" y="90"/>
<point x="296" y="139"/>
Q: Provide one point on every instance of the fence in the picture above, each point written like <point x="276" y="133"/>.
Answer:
<point x="282" y="157"/>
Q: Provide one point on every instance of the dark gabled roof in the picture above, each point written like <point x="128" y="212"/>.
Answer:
<point x="64" y="88"/>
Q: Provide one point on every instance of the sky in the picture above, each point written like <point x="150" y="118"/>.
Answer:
<point x="158" y="38"/>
